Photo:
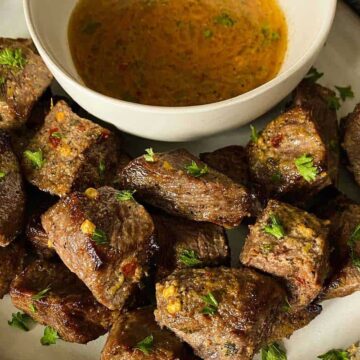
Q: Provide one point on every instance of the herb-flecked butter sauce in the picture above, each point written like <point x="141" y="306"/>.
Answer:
<point x="177" y="52"/>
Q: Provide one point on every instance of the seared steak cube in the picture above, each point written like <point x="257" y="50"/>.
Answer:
<point x="105" y="238"/>
<point x="221" y="313"/>
<point x="23" y="79"/>
<point x="11" y="264"/>
<point x="185" y="243"/>
<point x="289" y="159"/>
<point x="181" y="184"/>
<point x="290" y="244"/>
<point x="54" y="296"/>
<point x="69" y="153"/>
<point x="12" y="195"/>
<point x="351" y="140"/>
<point x="136" y="336"/>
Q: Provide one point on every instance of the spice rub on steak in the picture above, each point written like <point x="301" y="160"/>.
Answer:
<point x="136" y="336"/>
<point x="54" y="296"/>
<point x="23" y="79"/>
<point x="106" y="240"/>
<point x="221" y="313"/>
<point x="185" y="243"/>
<point x="179" y="183"/>
<point x="11" y="263"/>
<point x="12" y="193"/>
<point x="289" y="158"/>
<point x="69" y="153"/>
<point x="350" y="127"/>
<point x="290" y="244"/>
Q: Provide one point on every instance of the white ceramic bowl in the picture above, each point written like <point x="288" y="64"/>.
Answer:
<point x="309" y="23"/>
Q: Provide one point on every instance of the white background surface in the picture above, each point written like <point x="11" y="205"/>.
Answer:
<point x="339" y="324"/>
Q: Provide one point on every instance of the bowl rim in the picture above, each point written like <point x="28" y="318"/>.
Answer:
<point x="320" y="37"/>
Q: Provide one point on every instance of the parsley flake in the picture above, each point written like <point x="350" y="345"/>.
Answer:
<point x="102" y="168"/>
<point x="212" y="304"/>
<point x="2" y="175"/>
<point x="125" y="195"/>
<point x="189" y="258"/>
<point x="333" y="102"/>
<point x="254" y="134"/>
<point x="36" y="158"/>
<point x="336" y="354"/>
<point x="13" y="58"/>
<point x="57" y="135"/>
<point x="314" y="75"/>
<point x="50" y="336"/>
<point x="41" y="294"/>
<point x="20" y="321"/>
<point x="273" y="352"/>
<point x="345" y="92"/>
<point x="225" y="20"/>
<point x="2" y="80"/>
<point x="270" y="34"/>
<point x="275" y="227"/>
<point x="195" y="170"/>
<point x="99" y="237"/>
<point x="287" y="306"/>
<point x="354" y="238"/>
<point x="208" y="33"/>
<point x="145" y="345"/>
<point x="306" y="168"/>
<point x="150" y="155"/>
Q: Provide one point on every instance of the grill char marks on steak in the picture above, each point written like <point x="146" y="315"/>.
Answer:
<point x="350" y="127"/>
<point x="203" y="244"/>
<point x="299" y="256"/>
<point x="77" y="153"/>
<point x="68" y="306"/>
<point x="272" y="157"/>
<point x="165" y="183"/>
<point x="11" y="263"/>
<point x="248" y="303"/>
<point x="21" y="87"/>
<point x="108" y="243"/>
<point x="12" y="193"/>
<point x="133" y="327"/>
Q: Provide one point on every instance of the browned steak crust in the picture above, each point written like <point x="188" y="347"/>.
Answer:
<point x="300" y="256"/>
<point x="77" y="153"/>
<point x="12" y="194"/>
<point x="185" y="243"/>
<point x="165" y="183"/>
<point x="248" y="303"/>
<point x="133" y="327"/>
<point x="272" y="157"/>
<point x="106" y="242"/>
<point x="11" y="264"/>
<point x="21" y="86"/>
<point x="68" y="306"/>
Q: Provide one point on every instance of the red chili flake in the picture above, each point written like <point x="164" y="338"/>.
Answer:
<point x="301" y="281"/>
<point x="54" y="140"/>
<point x="276" y="140"/>
<point x="105" y="134"/>
<point x="129" y="269"/>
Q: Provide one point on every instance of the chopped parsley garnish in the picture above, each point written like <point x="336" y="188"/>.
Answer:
<point x="254" y="134"/>
<point x="2" y="80"/>
<point x="287" y="306"/>
<point x="13" y="58"/>
<point x="145" y="345"/>
<point x="275" y="227"/>
<point x="345" y="92"/>
<point x="150" y="155"/>
<point x="195" y="170"/>
<point x="333" y="102"/>
<point x="57" y="135"/>
<point x="211" y="304"/>
<point x="267" y="248"/>
<point x="2" y="175"/>
<point x="41" y="294"/>
<point x="208" y="33"/>
<point x="99" y="237"/>
<point x="269" y="34"/>
<point x="35" y="157"/>
<point x="20" y="321"/>
<point x="225" y="19"/>
<point x="354" y="238"/>
<point x="50" y="336"/>
<point x="102" y="168"/>
<point x="273" y="352"/>
<point x="189" y="258"/>
<point x="125" y="195"/>
<point x="314" y="75"/>
<point x="336" y="354"/>
<point x="306" y="168"/>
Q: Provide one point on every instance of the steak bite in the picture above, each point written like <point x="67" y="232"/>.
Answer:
<point x="289" y="159"/>
<point x="136" y="335"/>
<point x="290" y="244"/>
<point x="221" y="313"/>
<point x="23" y="79"/>
<point x="105" y="238"/>
<point x="182" y="185"/>
<point x="54" y="296"/>
<point x="11" y="263"/>
<point x="185" y="243"/>
<point x="350" y="141"/>
<point x="69" y="153"/>
<point x="12" y="194"/>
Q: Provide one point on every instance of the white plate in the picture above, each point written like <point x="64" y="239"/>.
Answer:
<point x="337" y="326"/>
